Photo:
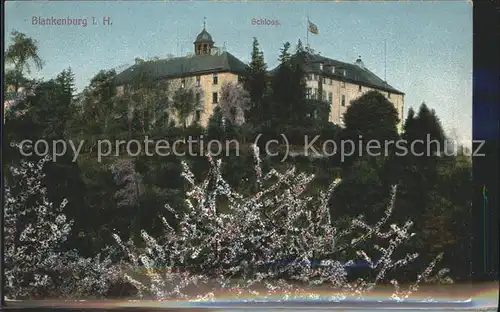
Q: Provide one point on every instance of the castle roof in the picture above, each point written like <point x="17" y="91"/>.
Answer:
<point x="204" y="36"/>
<point x="354" y="73"/>
<point x="183" y="67"/>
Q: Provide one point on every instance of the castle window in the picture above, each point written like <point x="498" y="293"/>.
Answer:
<point x="324" y="80"/>
<point x="324" y="96"/>
<point x="215" y="79"/>
<point x="343" y="100"/>
<point x="320" y="66"/>
<point x="215" y="98"/>
<point x="198" y="116"/>
<point x="183" y="83"/>
<point x="342" y="84"/>
<point x="389" y="95"/>
<point x="330" y="97"/>
<point x="198" y="79"/>
<point x="360" y="89"/>
<point x="205" y="49"/>
<point x="308" y="93"/>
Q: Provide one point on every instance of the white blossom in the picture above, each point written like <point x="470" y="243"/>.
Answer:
<point x="35" y="264"/>
<point x="241" y="249"/>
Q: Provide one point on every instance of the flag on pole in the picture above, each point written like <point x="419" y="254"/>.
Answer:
<point x="313" y="28"/>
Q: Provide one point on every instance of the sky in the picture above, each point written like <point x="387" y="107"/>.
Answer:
<point x="428" y="53"/>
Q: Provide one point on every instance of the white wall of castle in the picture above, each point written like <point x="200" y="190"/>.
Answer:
<point x="338" y="89"/>
<point x="350" y="92"/>
<point x="206" y="88"/>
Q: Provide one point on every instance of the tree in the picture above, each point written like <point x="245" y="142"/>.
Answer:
<point x="184" y="103"/>
<point x="19" y="54"/>
<point x="256" y="81"/>
<point x="285" y="55"/>
<point x="418" y="169"/>
<point x="66" y="84"/>
<point x="369" y="118"/>
<point x="299" y="105"/>
<point x="130" y="182"/>
<point x="288" y="89"/>
<point x="299" y="48"/>
<point x="97" y="115"/>
<point x="17" y="103"/>
<point x="13" y="78"/>
<point x="146" y="103"/>
<point x="280" y="85"/>
<point x="234" y="102"/>
<point x="366" y="175"/>
<point x="51" y="107"/>
<point x="434" y="189"/>
<point x="215" y="127"/>
<point x="48" y="111"/>
<point x="45" y="108"/>
<point x="372" y="116"/>
<point x="427" y="127"/>
<point x="130" y="190"/>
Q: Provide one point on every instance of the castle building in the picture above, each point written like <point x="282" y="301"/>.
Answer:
<point x="210" y="67"/>
<point x="342" y="83"/>
<point x="204" y="72"/>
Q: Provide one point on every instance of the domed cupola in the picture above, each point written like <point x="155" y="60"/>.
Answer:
<point x="204" y="43"/>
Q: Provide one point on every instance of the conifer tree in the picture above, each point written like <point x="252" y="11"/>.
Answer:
<point x="288" y="86"/>
<point x="300" y="48"/>
<point x="256" y="81"/>
<point x="285" y="55"/>
<point x="299" y="105"/>
<point x="422" y="194"/>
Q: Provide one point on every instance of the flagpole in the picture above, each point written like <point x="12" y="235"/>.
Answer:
<point x="307" y="32"/>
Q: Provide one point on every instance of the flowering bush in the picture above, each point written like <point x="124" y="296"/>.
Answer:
<point x="35" y="263"/>
<point x="205" y="250"/>
<point x="11" y="105"/>
<point x="234" y="101"/>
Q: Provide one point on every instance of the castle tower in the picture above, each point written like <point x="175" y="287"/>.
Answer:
<point x="204" y="43"/>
